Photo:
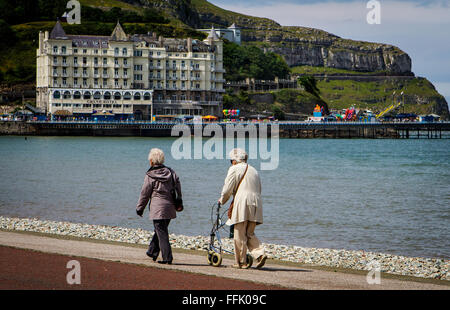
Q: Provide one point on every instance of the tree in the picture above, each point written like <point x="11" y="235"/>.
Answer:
<point x="278" y="113"/>
<point x="7" y="35"/>
<point x="309" y="83"/>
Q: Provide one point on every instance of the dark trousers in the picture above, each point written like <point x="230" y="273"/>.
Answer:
<point x="160" y="241"/>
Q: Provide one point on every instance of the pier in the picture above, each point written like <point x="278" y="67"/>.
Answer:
<point x="343" y="130"/>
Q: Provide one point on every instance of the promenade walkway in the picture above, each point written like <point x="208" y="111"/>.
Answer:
<point x="271" y="276"/>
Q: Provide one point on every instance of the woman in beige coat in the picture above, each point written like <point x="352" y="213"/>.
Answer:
<point x="247" y="209"/>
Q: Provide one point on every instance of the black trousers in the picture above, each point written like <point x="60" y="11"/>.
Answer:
<point x="160" y="241"/>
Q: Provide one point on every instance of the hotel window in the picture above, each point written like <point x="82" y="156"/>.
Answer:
<point x="116" y="83"/>
<point x="125" y="62"/>
<point x="64" y="81"/>
<point x="105" y="51"/>
<point x="105" y="82"/>
<point x="66" y="95"/>
<point x="174" y="85"/>
<point x="84" y="71"/>
<point x="75" y="60"/>
<point x="117" y="96"/>
<point x="116" y="51"/>
<point x="84" y="51"/>
<point x="124" y="51"/>
<point x="75" y="50"/>
<point x="55" y="49"/>
<point x="95" y="71"/>
<point x="105" y="61"/>
<point x="107" y="95"/>
<point x="76" y="95"/>
<point x="55" y="71"/>
<point x="96" y="82"/>
<point x="125" y="83"/>
<point x="75" y="82"/>
<point x="97" y="95"/>
<point x="147" y="96"/>
<point x="75" y="71"/>
<point x="84" y="82"/>
<point x="87" y="95"/>
<point x="64" y="60"/>
<point x="95" y="51"/>
<point x="63" y="49"/>
<point x="64" y="72"/>
<point x="105" y="71"/>
<point x="55" y="81"/>
<point x="86" y="105"/>
<point x="116" y="72"/>
<point x="56" y="94"/>
<point x="116" y="61"/>
<point x="84" y="60"/>
<point x="95" y="61"/>
<point x="55" y="60"/>
<point x="125" y="72"/>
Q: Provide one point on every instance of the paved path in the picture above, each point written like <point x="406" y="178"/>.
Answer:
<point x="272" y="275"/>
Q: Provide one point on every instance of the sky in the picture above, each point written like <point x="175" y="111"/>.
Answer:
<point x="420" y="28"/>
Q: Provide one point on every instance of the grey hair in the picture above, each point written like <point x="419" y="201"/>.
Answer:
<point x="239" y="155"/>
<point x="156" y="156"/>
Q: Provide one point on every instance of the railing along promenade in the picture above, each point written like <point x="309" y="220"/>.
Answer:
<point x="287" y="129"/>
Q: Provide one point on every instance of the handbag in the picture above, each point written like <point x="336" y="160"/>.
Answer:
<point x="177" y="199"/>
<point x="230" y="209"/>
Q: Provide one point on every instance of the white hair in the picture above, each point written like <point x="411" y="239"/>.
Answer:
<point x="239" y="155"/>
<point x="156" y="156"/>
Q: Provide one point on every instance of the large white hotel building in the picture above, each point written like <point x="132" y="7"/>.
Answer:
<point x="123" y="76"/>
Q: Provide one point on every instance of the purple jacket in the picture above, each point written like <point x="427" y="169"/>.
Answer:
<point x="158" y="183"/>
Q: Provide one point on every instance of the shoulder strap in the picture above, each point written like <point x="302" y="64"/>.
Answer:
<point x="240" y="181"/>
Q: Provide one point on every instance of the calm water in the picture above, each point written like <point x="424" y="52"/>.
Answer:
<point x="389" y="196"/>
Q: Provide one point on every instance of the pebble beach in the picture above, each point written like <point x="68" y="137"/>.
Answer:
<point x="435" y="268"/>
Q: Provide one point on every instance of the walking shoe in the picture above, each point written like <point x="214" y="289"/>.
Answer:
<point x="165" y="262"/>
<point x="261" y="261"/>
<point x="151" y="256"/>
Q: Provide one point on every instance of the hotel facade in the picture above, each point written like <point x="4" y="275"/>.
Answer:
<point x="128" y="76"/>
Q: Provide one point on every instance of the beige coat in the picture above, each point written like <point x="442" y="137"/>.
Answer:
<point x="247" y="201"/>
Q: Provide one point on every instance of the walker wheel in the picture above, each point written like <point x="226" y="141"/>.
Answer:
<point x="249" y="260"/>
<point x="216" y="259"/>
<point x="210" y="253"/>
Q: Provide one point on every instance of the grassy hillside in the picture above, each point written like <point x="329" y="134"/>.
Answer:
<point x="419" y="95"/>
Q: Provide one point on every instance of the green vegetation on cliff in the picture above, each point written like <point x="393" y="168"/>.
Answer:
<point x="241" y="62"/>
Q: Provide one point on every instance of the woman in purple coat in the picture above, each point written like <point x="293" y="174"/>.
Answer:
<point x="159" y="183"/>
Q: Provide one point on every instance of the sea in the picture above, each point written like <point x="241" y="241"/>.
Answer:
<point x="380" y="195"/>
